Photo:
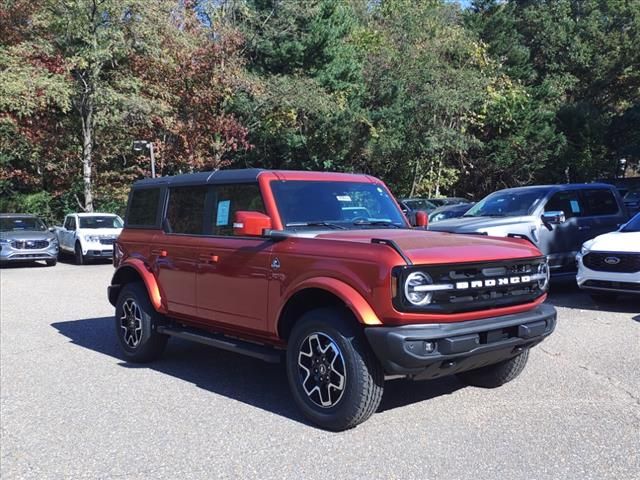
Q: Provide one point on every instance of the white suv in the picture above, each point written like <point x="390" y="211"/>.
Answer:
<point x="89" y="235"/>
<point x="610" y="264"/>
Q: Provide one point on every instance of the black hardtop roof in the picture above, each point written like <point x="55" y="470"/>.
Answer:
<point x="245" y="175"/>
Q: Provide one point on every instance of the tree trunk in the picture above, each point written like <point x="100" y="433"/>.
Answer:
<point x="87" y="153"/>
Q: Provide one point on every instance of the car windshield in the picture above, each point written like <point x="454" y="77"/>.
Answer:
<point x="508" y="203"/>
<point x="633" y="225"/>
<point x="20" y="224"/>
<point x="420" y="204"/>
<point x="105" y="221"/>
<point x="336" y="205"/>
<point x="633" y="195"/>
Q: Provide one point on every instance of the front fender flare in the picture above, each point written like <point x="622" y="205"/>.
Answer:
<point x="349" y="295"/>
<point x="149" y="280"/>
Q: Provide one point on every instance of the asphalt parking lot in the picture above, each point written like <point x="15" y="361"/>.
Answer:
<point x="71" y="408"/>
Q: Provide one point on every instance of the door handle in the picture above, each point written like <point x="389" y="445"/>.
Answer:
<point x="159" y="252"/>
<point x="584" y="227"/>
<point x="208" y="258"/>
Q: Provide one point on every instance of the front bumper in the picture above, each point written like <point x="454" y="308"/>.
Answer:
<point x="603" y="282"/>
<point x="435" y="350"/>
<point x="10" y="254"/>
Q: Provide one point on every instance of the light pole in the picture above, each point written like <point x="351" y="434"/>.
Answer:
<point x="140" y="145"/>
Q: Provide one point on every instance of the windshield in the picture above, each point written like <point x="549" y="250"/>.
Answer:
<point x="106" y="221"/>
<point x="335" y="204"/>
<point x="20" y="224"/>
<point x="633" y="195"/>
<point x="420" y="204"/>
<point x="508" y="203"/>
<point x="633" y="225"/>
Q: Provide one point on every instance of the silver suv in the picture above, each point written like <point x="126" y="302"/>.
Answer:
<point x="25" y="238"/>
<point x="557" y="219"/>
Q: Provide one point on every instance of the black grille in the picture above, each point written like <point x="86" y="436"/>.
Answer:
<point x="612" y="262"/>
<point x="473" y="298"/>
<point x="29" y="244"/>
<point x="634" y="287"/>
<point x="107" y="241"/>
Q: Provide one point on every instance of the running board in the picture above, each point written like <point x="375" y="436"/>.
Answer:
<point x="254" y="350"/>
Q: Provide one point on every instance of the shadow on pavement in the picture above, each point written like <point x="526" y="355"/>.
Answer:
<point x="235" y="376"/>
<point x="570" y="296"/>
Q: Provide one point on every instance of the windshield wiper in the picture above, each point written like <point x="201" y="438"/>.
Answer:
<point x="316" y="224"/>
<point x="376" y="222"/>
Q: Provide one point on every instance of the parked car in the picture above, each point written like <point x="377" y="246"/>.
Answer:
<point x="609" y="264"/>
<point x="449" y="211"/>
<point x="444" y="201"/>
<point x="411" y="206"/>
<point x="89" y="235"/>
<point x="557" y="219"/>
<point x="25" y="238"/>
<point x="632" y="201"/>
<point x="242" y="260"/>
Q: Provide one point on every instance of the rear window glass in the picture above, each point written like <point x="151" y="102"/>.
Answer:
<point x="143" y="207"/>
<point x="599" y="202"/>
<point x="185" y="210"/>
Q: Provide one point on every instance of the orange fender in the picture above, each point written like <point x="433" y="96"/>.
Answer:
<point x="147" y="277"/>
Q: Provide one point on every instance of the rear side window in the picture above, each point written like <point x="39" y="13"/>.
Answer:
<point x="185" y="210"/>
<point x="567" y="201"/>
<point x="229" y="200"/>
<point x="143" y="208"/>
<point x="599" y="202"/>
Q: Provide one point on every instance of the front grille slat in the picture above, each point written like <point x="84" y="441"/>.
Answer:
<point x="29" y="244"/>
<point x="605" y="262"/>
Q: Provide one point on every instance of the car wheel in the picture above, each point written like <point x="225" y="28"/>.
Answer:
<point x="51" y="263"/>
<point x="493" y="376"/>
<point x="606" y="298"/>
<point x="80" y="259"/>
<point x="136" y="321"/>
<point x="334" y="377"/>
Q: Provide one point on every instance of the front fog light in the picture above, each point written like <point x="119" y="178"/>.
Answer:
<point x="413" y="288"/>
<point x="543" y="276"/>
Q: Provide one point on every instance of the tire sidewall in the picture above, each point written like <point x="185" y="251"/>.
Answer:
<point x="331" y="322"/>
<point x="77" y="252"/>
<point x="138" y="294"/>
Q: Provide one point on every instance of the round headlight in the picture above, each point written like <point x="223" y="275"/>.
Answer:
<point x="543" y="276"/>
<point x="412" y="290"/>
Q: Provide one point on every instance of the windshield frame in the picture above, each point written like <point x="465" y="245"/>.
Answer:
<point x="542" y="193"/>
<point x="355" y="223"/>
<point x="36" y="221"/>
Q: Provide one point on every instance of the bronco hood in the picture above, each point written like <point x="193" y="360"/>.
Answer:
<point x="426" y="247"/>
<point x="474" y="224"/>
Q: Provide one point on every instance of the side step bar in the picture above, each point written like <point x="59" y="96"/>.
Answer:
<point x="262" y="352"/>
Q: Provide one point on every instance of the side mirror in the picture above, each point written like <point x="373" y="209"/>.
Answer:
<point x="250" y="224"/>
<point x="422" y="219"/>
<point x="52" y="229"/>
<point x="553" y="217"/>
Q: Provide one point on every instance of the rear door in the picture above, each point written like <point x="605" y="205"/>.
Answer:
<point x="602" y="212"/>
<point x="175" y="250"/>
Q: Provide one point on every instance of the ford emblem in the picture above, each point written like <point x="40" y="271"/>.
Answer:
<point x="612" y="260"/>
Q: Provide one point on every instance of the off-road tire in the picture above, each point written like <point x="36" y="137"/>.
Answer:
<point x="496" y="375"/>
<point x="78" y="257"/>
<point x="51" y="263"/>
<point x="364" y="376"/>
<point x="134" y="300"/>
<point x="606" y="298"/>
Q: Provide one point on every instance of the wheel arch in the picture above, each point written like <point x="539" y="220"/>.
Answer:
<point x="323" y="292"/>
<point x="136" y="271"/>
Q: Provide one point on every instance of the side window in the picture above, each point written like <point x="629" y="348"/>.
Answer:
<point x="185" y="210"/>
<point x="143" y="208"/>
<point x="568" y="202"/>
<point x="231" y="198"/>
<point x="67" y="222"/>
<point x="599" y="202"/>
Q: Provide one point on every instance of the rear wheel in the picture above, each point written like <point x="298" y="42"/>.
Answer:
<point x="79" y="258"/>
<point x="496" y="375"/>
<point x="136" y="322"/>
<point x="606" y="298"/>
<point x="334" y="377"/>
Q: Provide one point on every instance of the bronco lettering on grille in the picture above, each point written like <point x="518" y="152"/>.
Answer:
<point x="493" y="282"/>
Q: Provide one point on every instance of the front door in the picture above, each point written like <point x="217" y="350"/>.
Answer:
<point x="233" y="271"/>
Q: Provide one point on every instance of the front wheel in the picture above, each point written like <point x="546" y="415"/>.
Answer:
<point x="136" y="322"/>
<point x="496" y="375"/>
<point x="334" y="377"/>
<point x="51" y="263"/>
<point x="79" y="258"/>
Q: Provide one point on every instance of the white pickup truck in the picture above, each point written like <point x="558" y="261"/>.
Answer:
<point x="89" y="235"/>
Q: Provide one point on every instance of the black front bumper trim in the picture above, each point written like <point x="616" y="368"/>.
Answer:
<point x="434" y="350"/>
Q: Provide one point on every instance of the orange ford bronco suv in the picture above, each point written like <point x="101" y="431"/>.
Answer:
<point x="324" y="271"/>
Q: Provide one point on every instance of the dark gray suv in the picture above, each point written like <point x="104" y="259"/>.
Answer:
<point x="558" y="219"/>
